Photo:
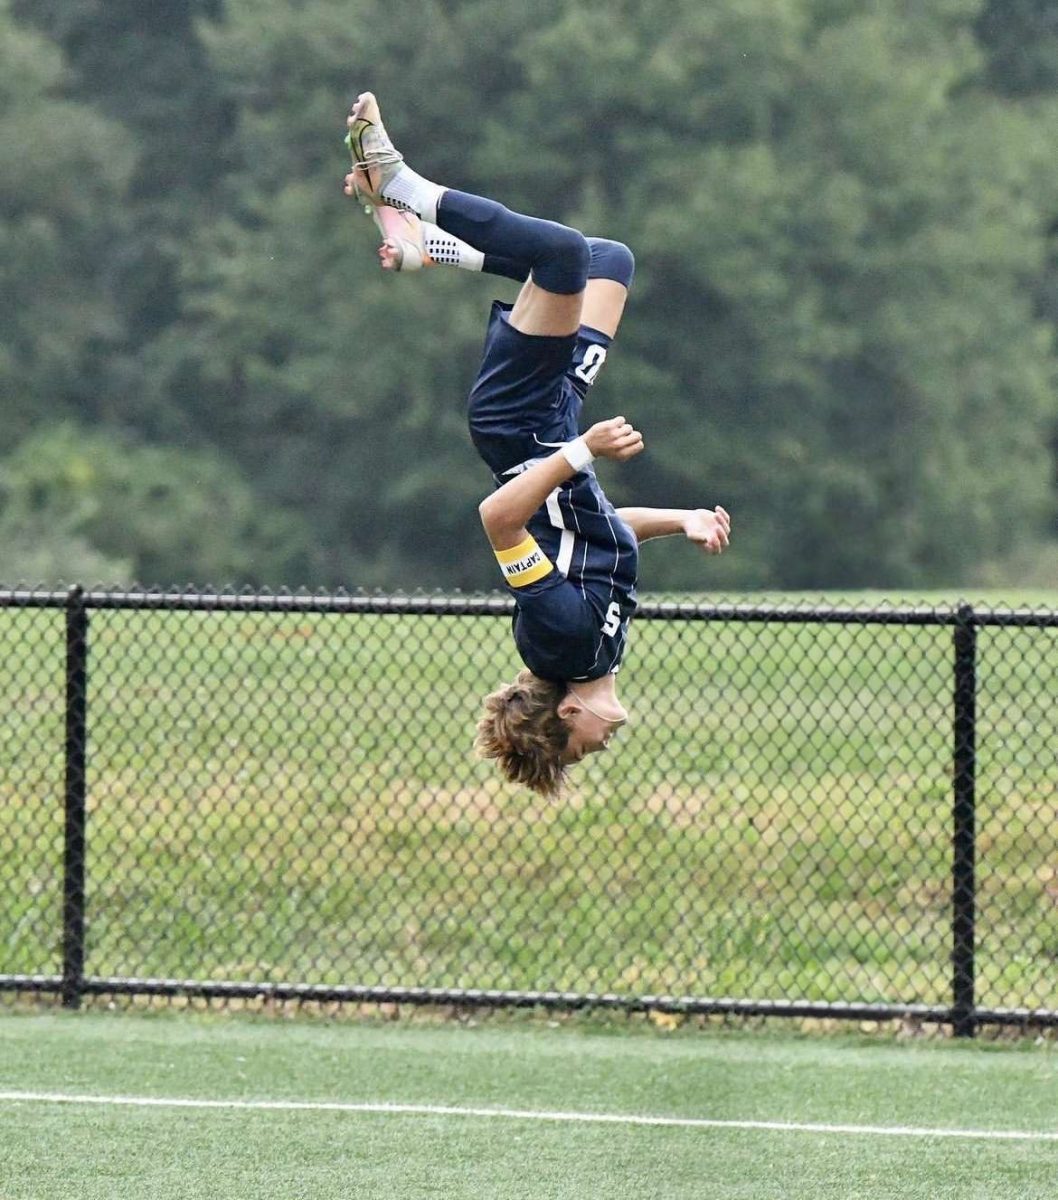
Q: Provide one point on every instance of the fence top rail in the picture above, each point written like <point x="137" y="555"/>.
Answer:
<point x="499" y="604"/>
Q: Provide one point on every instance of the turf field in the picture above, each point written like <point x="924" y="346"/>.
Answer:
<point x="128" y="1106"/>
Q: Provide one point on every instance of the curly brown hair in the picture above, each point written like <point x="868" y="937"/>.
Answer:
<point x="522" y="730"/>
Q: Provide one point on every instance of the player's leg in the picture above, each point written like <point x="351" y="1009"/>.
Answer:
<point x="410" y="244"/>
<point x="557" y="256"/>
<point x="611" y="267"/>
<point x="610" y="272"/>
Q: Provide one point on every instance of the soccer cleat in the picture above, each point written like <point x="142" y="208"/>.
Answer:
<point x="403" y="247"/>
<point x="375" y="160"/>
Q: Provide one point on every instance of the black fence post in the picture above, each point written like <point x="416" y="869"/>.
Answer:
<point x="73" y="899"/>
<point x="964" y="834"/>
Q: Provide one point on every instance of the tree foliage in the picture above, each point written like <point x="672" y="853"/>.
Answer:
<point x="62" y="172"/>
<point x="1021" y="41"/>
<point x="839" y="328"/>
<point x="115" y="504"/>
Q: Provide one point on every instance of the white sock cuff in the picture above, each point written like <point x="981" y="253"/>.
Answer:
<point x="407" y="189"/>
<point x="450" y="251"/>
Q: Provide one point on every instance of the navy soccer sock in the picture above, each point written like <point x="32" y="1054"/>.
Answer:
<point x="609" y="260"/>
<point x="509" y="268"/>
<point x="557" y="256"/>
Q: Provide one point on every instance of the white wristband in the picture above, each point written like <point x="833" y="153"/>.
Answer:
<point x="577" y="454"/>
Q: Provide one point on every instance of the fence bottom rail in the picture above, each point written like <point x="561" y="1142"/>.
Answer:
<point x="551" y="1000"/>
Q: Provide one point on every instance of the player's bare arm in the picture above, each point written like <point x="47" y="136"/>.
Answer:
<point x="707" y="528"/>
<point x="506" y="511"/>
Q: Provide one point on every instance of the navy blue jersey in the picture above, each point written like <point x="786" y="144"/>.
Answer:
<point x="573" y="604"/>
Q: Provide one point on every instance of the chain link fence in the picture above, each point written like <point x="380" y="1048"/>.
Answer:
<point x="832" y="811"/>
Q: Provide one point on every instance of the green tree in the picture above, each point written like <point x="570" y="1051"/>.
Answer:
<point x="81" y="505"/>
<point x="341" y="390"/>
<point x="143" y="65"/>
<point x="834" y="236"/>
<point x="62" y="170"/>
<point x="1020" y="42"/>
<point x="838" y="327"/>
<point x="830" y="329"/>
<point x="1020" y="38"/>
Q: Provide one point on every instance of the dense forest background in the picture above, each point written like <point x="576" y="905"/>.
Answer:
<point x="845" y="216"/>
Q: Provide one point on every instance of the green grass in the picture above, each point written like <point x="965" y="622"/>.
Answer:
<point x="293" y="798"/>
<point x="53" y="1151"/>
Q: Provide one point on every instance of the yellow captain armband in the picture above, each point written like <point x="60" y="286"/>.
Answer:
<point x="523" y="564"/>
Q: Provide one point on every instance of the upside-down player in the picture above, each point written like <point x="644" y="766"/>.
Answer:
<point x="567" y="555"/>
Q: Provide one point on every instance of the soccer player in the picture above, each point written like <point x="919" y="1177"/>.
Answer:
<point x="567" y="555"/>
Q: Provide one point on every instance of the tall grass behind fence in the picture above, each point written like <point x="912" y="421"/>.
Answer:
<point x="290" y="797"/>
<point x="1017" y="816"/>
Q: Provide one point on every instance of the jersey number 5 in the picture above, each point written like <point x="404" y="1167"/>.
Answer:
<point x="613" y="619"/>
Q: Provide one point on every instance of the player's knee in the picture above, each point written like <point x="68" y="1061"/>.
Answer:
<point x="574" y="246"/>
<point x="568" y="261"/>
<point x="611" y="260"/>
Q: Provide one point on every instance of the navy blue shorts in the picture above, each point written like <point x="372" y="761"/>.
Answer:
<point x="528" y="395"/>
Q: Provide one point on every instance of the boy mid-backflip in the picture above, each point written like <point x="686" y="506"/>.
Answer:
<point x="567" y="555"/>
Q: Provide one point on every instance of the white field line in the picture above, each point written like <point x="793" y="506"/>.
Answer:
<point x="513" y="1114"/>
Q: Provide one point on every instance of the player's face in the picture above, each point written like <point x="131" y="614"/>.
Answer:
<point x="588" y="734"/>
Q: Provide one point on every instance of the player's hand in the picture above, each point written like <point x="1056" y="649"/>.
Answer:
<point x="709" y="528"/>
<point x="614" y="439"/>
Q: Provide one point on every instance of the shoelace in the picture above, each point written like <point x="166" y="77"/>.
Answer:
<point x="381" y="158"/>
